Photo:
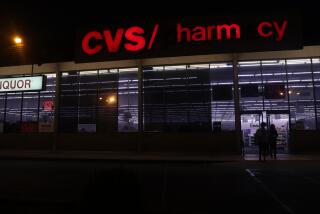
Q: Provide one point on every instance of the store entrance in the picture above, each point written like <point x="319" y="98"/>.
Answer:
<point x="249" y="124"/>
<point x="250" y="121"/>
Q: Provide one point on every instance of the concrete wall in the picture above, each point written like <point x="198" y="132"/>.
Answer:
<point x="308" y="51"/>
<point x="196" y="143"/>
<point x="304" y="142"/>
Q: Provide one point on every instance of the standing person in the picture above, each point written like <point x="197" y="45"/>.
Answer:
<point x="272" y="138"/>
<point x="261" y="140"/>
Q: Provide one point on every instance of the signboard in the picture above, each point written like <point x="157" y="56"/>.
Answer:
<point x="35" y="83"/>
<point x="46" y="127"/>
<point x="190" y="35"/>
<point x="28" y="127"/>
<point x="48" y="105"/>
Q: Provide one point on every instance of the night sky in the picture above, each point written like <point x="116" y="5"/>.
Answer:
<point x="49" y="31"/>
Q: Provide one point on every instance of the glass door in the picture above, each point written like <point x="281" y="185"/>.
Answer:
<point x="250" y="122"/>
<point x="281" y="122"/>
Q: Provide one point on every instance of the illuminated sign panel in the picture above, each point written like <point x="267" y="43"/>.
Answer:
<point x="35" y="83"/>
<point x="190" y="36"/>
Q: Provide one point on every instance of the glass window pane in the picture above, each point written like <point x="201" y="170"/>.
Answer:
<point x="249" y="74"/>
<point x="30" y="107"/>
<point x="176" y="98"/>
<point x="2" y="110"/>
<point x="46" y="111"/>
<point x="87" y="101"/>
<point x="69" y="99"/>
<point x="275" y="82"/>
<point x="107" y="117"/>
<point x="2" y="106"/>
<point x="316" y="74"/>
<point x="13" y="112"/>
<point x="221" y="74"/>
<point x="154" y="112"/>
<point x="199" y="98"/>
<point x="128" y="100"/>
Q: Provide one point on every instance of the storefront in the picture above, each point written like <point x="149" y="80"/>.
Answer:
<point x="197" y="88"/>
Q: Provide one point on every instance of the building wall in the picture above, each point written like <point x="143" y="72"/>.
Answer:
<point x="308" y="51"/>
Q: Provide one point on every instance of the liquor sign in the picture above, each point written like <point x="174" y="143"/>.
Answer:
<point x="35" y="83"/>
<point x="190" y="35"/>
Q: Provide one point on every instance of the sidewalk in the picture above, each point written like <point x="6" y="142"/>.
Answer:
<point x="133" y="156"/>
<point x="114" y="156"/>
<point x="285" y="157"/>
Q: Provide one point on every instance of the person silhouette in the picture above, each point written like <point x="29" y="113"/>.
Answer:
<point x="261" y="140"/>
<point x="272" y="138"/>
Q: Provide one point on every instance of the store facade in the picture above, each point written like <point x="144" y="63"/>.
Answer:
<point x="198" y="100"/>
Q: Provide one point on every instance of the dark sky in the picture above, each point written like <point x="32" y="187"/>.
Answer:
<point x="50" y="29"/>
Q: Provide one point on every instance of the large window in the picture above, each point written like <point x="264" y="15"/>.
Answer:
<point x="302" y="109"/>
<point x="99" y="101"/>
<point x="29" y="111"/>
<point x="177" y="98"/>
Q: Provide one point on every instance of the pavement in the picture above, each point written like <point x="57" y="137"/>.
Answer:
<point x="67" y="187"/>
<point x="134" y="156"/>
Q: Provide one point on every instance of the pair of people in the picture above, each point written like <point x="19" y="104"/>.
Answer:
<point x="266" y="140"/>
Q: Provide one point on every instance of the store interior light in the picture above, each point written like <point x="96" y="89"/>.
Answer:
<point x="111" y="99"/>
<point x="17" y="40"/>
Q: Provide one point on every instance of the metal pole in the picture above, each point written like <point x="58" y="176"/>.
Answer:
<point x="289" y="140"/>
<point x="314" y="95"/>
<point x="140" y="106"/>
<point x="236" y="101"/>
<point x="56" y="108"/>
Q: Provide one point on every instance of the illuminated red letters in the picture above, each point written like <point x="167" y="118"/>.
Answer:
<point x="205" y="33"/>
<point x="92" y="42"/>
<point x="85" y="43"/>
<point x="136" y="38"/>
<point x="267" y="29"/>
<point x="113" y="44"/>
<point x="133" y="34"/>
